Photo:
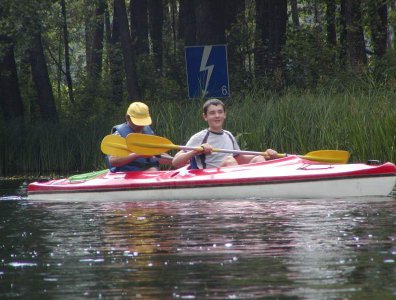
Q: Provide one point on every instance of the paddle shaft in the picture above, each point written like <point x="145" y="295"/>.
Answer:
<point x="279" y="155"/>
<point x="186" y="148"/>
<point x="154" y="145"/>
<point x="331" y="156"/>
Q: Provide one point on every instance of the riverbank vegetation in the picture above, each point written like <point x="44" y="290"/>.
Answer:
<point x="304" y="75"/>
<point x="358" y="120"/>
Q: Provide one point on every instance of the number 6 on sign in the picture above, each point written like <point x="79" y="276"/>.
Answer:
<point x="224" y="90"/>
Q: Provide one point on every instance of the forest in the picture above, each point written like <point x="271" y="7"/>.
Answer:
<point x="316" y="73"/>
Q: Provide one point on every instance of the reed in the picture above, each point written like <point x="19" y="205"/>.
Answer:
<point x="45" y="149"/>
<point x="358" y="120"/>
<point x="361" y="122"/>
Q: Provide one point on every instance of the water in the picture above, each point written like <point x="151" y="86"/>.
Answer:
<point x="247" y="249"/>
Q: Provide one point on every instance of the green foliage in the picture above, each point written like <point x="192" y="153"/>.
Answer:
<point x="385" y="69"/>
<point x="154" y="85"/>
<point x="308" y="59"/>
<point x="240" y="47"/>
<point x="321" y="105"/>
<point x="45" y="148"/>
<point x="20" y="19"/>
<point x="358" y="120"/>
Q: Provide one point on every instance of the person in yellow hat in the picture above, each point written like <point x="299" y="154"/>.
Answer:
<point x="137" y="120"/>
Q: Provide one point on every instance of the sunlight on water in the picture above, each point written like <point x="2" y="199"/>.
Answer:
<point x="288" y="249"/>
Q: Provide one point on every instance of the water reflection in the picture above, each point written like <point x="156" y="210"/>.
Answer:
<point x="305" y="249"/>
<point x="13" y="189"/>
<point x="340" y="256"/>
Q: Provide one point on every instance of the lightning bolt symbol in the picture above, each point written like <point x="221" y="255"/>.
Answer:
<point x="204" y="67"/>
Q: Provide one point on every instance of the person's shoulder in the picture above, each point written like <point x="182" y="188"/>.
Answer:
<point x="117" y="128"/>
<point x="148" y="130"/>
<point x="199" y="133"/>
<point x="197" y="138"/>
<point x="228" y="132"/>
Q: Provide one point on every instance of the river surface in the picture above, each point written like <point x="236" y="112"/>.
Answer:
<point x="246" y="249"/>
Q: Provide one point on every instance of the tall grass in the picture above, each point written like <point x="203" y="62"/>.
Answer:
<point x="46" y="149"/>
<point x="360" y="121"/>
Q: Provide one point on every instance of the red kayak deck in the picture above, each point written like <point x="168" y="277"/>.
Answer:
<point x="292" y="169"/>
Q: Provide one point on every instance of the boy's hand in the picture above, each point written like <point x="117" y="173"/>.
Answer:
<point x="270" y="154"/>
<point x="207" y="148"/>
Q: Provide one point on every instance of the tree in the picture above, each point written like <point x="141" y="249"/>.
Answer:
<point x="331" y="23"/>
<point x="271" y="19"/>
<point x="378" y="14"/>
<point x="210" y="17"/>
<point x="67" y="53"/>
<point x="234" y="17"/>
<point x="128" y="51"/>
<point x="138" y="10"/>
<point x="22" y="26"/>
<point x="115" y="57"/>
<point x="295" y="14"/>
<point x="254" y="31"/>
<point x="10" y="96"/>
<point x="156" y="19"/>
<point x="94" y="64"/>
<point x="187" y="23"/>
<point x="352" y="38"/>
<point x="45" y="97"/>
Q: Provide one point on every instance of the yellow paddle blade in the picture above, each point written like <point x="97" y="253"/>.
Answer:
<point x="332" y="156"/>
<point x="114" y="145"/>
<point x="146" y="144"/>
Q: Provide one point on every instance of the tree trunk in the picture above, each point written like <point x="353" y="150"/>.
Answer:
<point x="95" y="67"/>
<point x="139" y="25"/>
<point x="128" y="52"/>
<point x="88" y="32"/>
<point x="187" y="22"/>
<point x="295" y="14"/>
<point x="392" y="29"/>
<point x="173" y="13"/>
<point x="271" y="20"/>
<point x="330" y="22"/>
<point x="210" y="17"/>
<point x="156" y="19"/>
<point x="378" y="14"/>
<point x="67" y="54"/>
<point x="234" y="17"/>
<point x="41" y="80"/>
<point x="115" y="58"/>
<point x="352" y="38"/>
<point x="233" y="10"/>
<point x="10" y="95"/>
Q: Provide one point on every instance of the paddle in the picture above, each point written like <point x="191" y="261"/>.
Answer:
<point x="153" y="145"/>
<point x="114" y="145"/>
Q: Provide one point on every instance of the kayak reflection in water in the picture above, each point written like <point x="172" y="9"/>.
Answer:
<point x="215" y="137"/>
<point x="137" y="120"/>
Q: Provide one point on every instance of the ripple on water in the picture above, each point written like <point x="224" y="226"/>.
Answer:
<point x="290" y="249"/>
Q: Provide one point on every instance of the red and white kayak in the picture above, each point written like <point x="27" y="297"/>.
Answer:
<point x="289" y="177"/>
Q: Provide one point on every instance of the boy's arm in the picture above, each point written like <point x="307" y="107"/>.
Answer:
<point x="182" y="158"/>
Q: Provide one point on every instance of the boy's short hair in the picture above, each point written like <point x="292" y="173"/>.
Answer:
<point x="213" y="101"/>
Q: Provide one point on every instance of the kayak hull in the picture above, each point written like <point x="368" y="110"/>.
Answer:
<point x="290" y="177"/>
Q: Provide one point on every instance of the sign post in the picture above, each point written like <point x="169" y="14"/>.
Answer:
<point x="207" y="71"/>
